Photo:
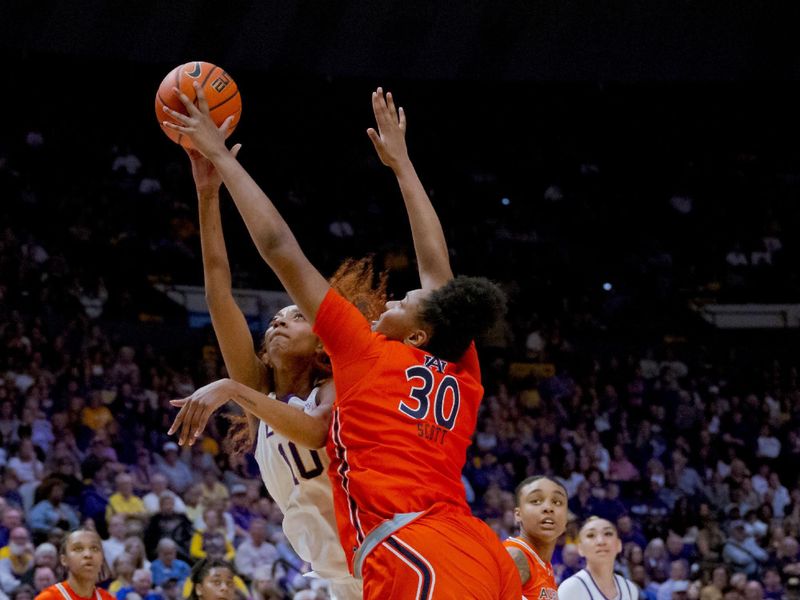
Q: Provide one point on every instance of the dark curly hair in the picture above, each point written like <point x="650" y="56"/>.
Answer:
<point x="356" y="281"/>
<point x="460" y="311"/>
<point x="202" y="568"/>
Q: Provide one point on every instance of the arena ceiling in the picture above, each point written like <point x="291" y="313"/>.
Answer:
<point x="512" y="40"/>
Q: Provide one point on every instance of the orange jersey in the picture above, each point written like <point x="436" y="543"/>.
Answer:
<point x="542" y="584"/>
<point x="402" y="422"/>
<point x="63" y="591"/>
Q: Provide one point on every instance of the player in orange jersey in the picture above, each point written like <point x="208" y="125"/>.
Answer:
<point x="81" y="555"/>
<point x="408" y="390"/>
<point x="542" y="516"/>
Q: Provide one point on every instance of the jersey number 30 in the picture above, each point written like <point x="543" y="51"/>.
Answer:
<point x="446" y="394"/>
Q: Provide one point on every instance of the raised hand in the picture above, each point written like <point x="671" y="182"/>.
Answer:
<point x="198" y="126"/>
<point x="206" y="177"/>
<point x="390" y="138"/>
<point x="198" y="408"/>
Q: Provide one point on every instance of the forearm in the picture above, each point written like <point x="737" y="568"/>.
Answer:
<point x="216" y="270"/>
<point x="430" y="245"/>
<point x="286" y="420"/>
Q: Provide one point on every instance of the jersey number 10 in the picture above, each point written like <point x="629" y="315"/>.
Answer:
<point x="316" y="471"/>
<point x="446" y="389"/>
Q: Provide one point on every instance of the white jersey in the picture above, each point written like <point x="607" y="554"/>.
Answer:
<point x="296" y="477"/>
<point x="582" y="586"/>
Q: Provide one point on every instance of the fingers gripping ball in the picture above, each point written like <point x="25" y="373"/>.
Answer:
<point x="220" y="89"/>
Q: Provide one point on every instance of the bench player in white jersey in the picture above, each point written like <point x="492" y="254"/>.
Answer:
<point x="291" y="424"/>
<point x="599" y="544"/>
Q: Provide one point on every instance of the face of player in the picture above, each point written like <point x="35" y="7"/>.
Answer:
<point x="599" y="543"/>
<point x="400" y="321"/>
<point x="542" y="510"/>
<point x="290" y="334"/>
<point x="217" y="585"/>
<point x="83" y="555"/>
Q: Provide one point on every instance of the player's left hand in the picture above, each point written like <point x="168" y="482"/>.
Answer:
<point x="206" y="177"/>
<point x="390" y="138"/>
<point x="198" y="126"/>
<point x="197" y="408"/>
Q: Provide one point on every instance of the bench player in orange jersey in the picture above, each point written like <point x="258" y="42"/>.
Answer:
<point x="408" y="390"/>
<point x="81" y="556"/>
<point x="542" y="516"/>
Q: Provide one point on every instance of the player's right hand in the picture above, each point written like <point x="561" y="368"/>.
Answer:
<point x="197" y="408"/>
<point x="390" y="138"/>
<point x="198" y="125"/>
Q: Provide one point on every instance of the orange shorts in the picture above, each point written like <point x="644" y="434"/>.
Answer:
<point x="441" y="556"/>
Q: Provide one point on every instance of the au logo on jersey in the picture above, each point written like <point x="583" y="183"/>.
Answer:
<point x="435" y="363"/>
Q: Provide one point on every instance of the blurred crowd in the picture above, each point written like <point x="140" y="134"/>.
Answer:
<point x="691" y="456"/>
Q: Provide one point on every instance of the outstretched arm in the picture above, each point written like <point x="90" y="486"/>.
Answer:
<point x="243" y="364"/>
<point x="229" y="323"/>
<point x="429" y="244"/>
<point x="307" y="429"/>
<point x="271" y="235"/>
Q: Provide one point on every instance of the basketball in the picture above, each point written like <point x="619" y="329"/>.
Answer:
<point x="220" y="89"/>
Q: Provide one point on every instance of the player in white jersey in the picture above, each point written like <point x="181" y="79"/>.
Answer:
<point x="290" y="435"/>
<point x="599" y="544"/>
<point x="297" y="479"/>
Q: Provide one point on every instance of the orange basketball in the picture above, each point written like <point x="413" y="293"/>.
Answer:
<point x="221" y="91"/>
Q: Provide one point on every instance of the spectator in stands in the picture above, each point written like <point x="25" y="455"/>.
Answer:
<point x="570" y="562"/>
<point x="629" y="533"/>
<point x="264" y="587"/>
<point x="176" y="471"/>
<point x="43" y="577"/>
<point x="52" y="512"/>
<point x="168" y="524"/>
<point x="192" y="501"/>
<point x="12" y="517"/>
<point x="753" y="591"/>
<point x="677" y="581"/>
<point x="124" y="501"/>
<point x="45" y="555"/>
<point x="96" y="415"/>
<point x="655" y="559"/>
<point x="202" y="540"/>
<point x="9" y="423"/>
<point x="141" y="584"/>
<point x="773" y="588"/>
<point x="24" y="463"/>
<point x="122" y="568"/>
<point x="787" y="557"/>
<point x="19" y="560"/>
<point x="95" y="495"/>
<point x="240" y="508"/>
<point x="168" y="565"/>
<point x="620" y="468"/>
<point x="211" y="487"/>
<point x="255" y="551"/>
<point x="742" y="552"/>
<point x="135" y="548"/>
<point x="158" y="487"/>
<point x="117" y="532"/>
<point x="143" y="472"/>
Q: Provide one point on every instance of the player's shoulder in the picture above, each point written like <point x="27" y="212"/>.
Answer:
<point x="105" y="594"/>
<point x="573" y="588"/>
<point x="514" y="543"/>
<point x="49" y="593"/>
